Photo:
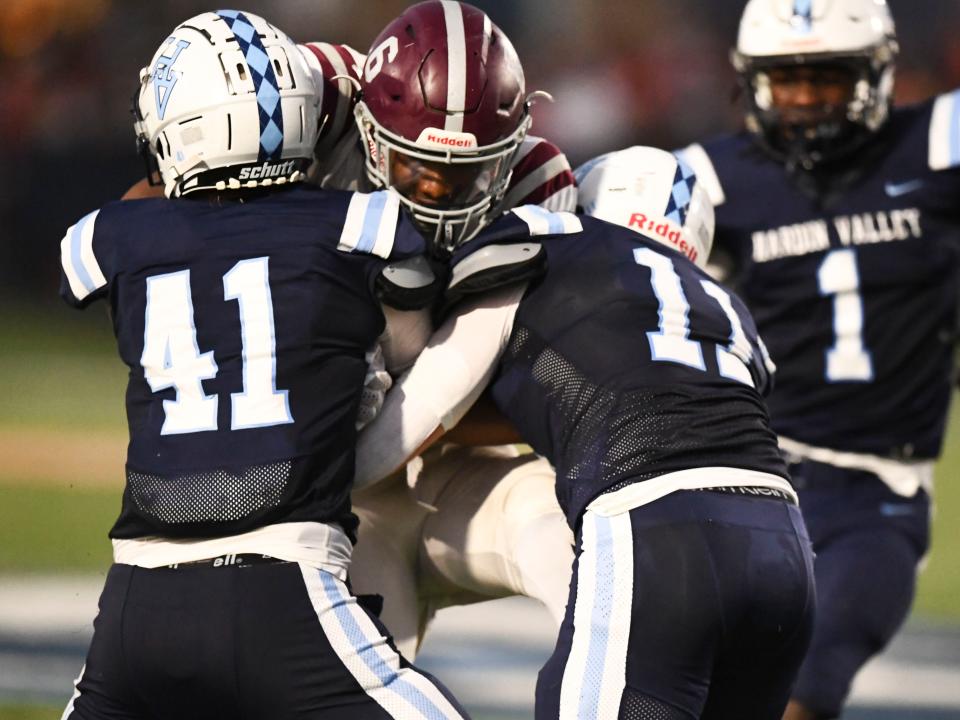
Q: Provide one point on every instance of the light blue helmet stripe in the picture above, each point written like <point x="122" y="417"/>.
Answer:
<point x="269" y="107"/>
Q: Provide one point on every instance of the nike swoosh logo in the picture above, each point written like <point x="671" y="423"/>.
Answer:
<point x="904" y="188"/>
<point x="896" y="509"/>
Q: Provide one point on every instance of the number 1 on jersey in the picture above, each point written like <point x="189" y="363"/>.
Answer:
<point x="847" y="360"/>
<point x="260" y="404"/>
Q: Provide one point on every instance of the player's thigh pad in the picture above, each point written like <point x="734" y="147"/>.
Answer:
<point x="666" y="595"/>
<point x="491" y="507"/>
<point x="264" y="641"/>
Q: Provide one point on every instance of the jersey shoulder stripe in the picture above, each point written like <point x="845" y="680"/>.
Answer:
<point x="371" y="224"/>
<point x="543" y="222"/>
<point x="944" y="141"/>
<point x="79" y="262"/>
<point x="541" y="176"/>
<point x="327" y="62"/>
<point x="699" y="161"/>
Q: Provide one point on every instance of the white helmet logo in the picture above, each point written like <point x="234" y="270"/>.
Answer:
<point x="163" y="76"/>
<point x="375" y="61"/>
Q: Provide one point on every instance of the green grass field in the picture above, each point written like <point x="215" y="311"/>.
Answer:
<point x="66" y="381"/>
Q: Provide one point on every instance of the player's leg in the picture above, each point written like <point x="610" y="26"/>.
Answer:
<point x="639" y="633"/>
<point x="679" y="573"/>
<point x="764" y="562"/>
<point x="384" y="560"/>
<point x="102" y="690"/>
<point x="315" y="652"/>
<point x="868" y="543"/>
<point x="498" y="529"/>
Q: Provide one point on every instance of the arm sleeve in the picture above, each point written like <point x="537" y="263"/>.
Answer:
<point x="406" y="335"/>
<point x="443" y="383"/>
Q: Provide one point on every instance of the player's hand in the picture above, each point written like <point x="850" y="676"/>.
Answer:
<point x="375" y="386"/>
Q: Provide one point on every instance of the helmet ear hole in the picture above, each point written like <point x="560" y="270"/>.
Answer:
<point x="160" y="149"/>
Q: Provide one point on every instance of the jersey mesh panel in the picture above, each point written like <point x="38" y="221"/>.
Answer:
<point x="637" y="706"/>
<point x="218" y="496"/>
<point x="611" y="437"/>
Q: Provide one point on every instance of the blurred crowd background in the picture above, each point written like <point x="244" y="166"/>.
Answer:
<point x="646" y="71"/>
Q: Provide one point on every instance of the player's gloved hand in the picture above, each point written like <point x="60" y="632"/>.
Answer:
<point x="375" y="386"/>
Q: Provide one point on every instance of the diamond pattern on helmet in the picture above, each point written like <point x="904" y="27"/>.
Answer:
<point x="679" y="203"/>
<point x="264" y="83"/>
<point x="218" y="496"/>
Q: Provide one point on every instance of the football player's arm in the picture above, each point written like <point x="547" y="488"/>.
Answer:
<point x="406" y="334"/>
<point x="84" y="263"/>
<point x="443" y="383"/>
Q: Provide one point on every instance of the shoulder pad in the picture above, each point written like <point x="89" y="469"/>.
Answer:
<point x="409" y="284"/>
<point x="699" y="161"/>
<point x="492" y="267"/>
<point x="944" y="141"/>
<point x="82" y="273"/>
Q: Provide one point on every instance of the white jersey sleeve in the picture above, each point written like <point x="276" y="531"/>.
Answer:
<point x="944" y="141"/>
<point x="444" y="382"/>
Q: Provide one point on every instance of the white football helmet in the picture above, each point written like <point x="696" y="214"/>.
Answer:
<point x="653" y="192"/>
<point x="858" y="34"/>
<point x="226" y="103"/>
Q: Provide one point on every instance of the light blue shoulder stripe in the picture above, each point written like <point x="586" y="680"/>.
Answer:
<point x="76" y="258"/>
<point x="371" y="221"/>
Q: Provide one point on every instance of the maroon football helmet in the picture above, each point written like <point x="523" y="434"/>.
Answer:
<point x="442" y="112"/>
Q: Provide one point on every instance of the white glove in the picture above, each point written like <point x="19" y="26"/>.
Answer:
<point x="375" y="386"/>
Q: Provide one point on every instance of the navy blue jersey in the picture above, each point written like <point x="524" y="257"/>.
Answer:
<point x="627" y="362"/>
<point x="244" y="326"/>
<point x="852" y="278"/>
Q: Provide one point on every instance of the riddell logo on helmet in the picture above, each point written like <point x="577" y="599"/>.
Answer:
<point x="268" y="170"/>
<point x="447" y="139"/>
<point x="663" y="230"/>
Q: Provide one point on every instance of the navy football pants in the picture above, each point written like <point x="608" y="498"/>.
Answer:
<point x="698" y="605"/>
<point x="270" y="641"/>
<point x="869" y="542"/>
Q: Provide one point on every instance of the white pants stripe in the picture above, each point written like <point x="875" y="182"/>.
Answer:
<point x="402" y="692"/>
<point x="595" y="674"/>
